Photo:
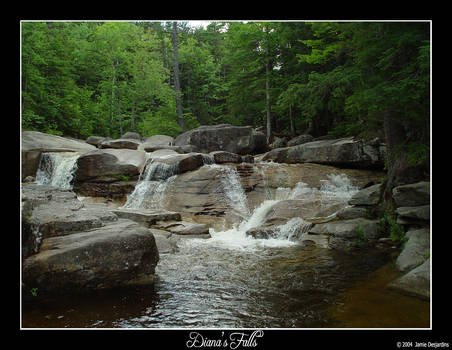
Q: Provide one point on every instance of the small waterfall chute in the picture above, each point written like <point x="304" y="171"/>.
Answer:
<point x="153" y="183"/>
<point x="57" y="169"/>
<point x="234" y="192"/>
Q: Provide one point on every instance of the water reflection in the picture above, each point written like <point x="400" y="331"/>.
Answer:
<point x="197" y="287"/>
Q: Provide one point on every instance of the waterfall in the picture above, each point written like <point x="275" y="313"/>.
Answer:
<point x="334" y="189"/>
<point x="152" y="184"/>
<point x="234" y="192"/>
<point x="57" y="169"/>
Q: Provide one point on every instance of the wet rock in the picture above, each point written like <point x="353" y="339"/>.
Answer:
<point x="416" y="250"/>
<point x="412" y="195"/>
<point x="122" y="253"/>
<point x="198" y="192"/>
<point x="224" y="137"/>
<point x="415" y="283"/>
<point x="321" y="241"/>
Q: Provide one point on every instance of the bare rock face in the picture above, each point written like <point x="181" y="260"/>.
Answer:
<point x="225" y="137"/>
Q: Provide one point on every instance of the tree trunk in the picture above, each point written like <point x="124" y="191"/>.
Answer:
<point x="180" y="121"/>
<point x="267" y="97"/>
<point x="119" y="112"/>
<point x="292" y="124"/>
<point x="112" y="98"/>
<point x="400" y="171"/>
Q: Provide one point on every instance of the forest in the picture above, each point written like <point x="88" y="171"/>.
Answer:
<point x="366" y="79"/>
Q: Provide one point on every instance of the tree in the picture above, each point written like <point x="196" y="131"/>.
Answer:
<point x="180" y="121"/>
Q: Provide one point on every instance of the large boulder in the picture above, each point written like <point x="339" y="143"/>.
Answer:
<point x="412" y="195"/>
<point x="110" y="173"/>
<point x="344" y="152"/>
<point x="299" y="140"/>
<point x="225" y="137"/>
<point x="179" y="163"/>
<point x="120" y="144"/>
<point x="122" y="253"/>
<point x="131" y="135"/>
<point x="345" y="234"/>
<point x="416" y="250"/>
<point x="34" y="143"/>
<point x="109" y="162"/>
<point x="159" y="140"/>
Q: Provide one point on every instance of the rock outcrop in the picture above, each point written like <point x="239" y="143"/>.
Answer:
<point x="345" y="152"/>
<point x="225" y="137"/>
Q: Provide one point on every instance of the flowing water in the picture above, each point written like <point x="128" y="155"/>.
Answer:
<point x="152" y="184"/>
<point x="57" y="169"/>
<point x="232" y="279"/>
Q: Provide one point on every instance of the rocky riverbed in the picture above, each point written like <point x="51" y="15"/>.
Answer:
<point x="197" y="221"/>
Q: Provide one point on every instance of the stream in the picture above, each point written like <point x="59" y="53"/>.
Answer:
<point x="236" y="281"/>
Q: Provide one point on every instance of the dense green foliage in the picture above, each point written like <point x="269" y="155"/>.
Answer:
<point x="81" y="79"/>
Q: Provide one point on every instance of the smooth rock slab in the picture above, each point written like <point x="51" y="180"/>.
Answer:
<point x="122" y="253"/>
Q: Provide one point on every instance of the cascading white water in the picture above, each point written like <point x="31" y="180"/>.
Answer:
<point x="154" y="181"/>
<point x="57" y="169"/>
<point x="336" y="189"/>
<point x="233" y="190"/>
